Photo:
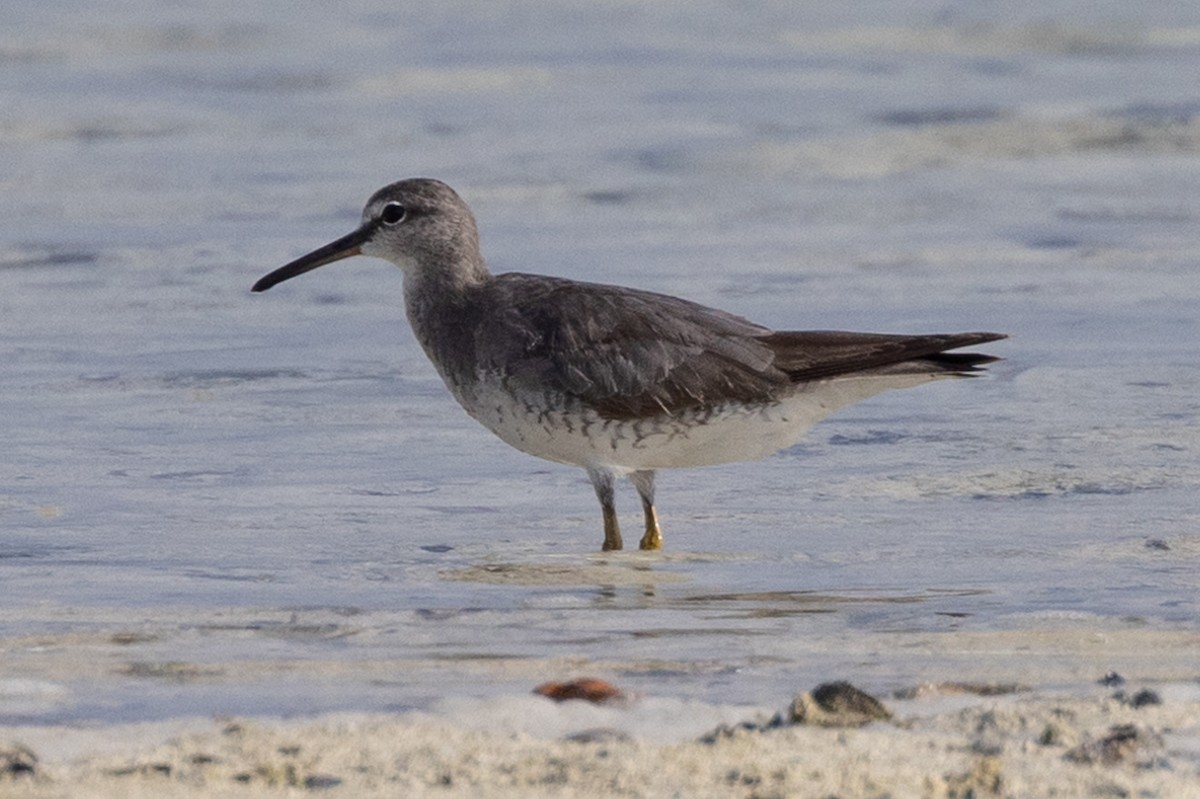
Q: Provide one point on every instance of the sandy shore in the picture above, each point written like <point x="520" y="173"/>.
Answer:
<point x="1033" y="719"/>
<point x="940" y="742"/>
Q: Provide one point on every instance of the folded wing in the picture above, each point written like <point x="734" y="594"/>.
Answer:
<point x="630" y="354"/>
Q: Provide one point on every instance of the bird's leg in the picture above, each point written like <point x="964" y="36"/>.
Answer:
<point x="643" y="481"/>
<point x="602" y="481"/>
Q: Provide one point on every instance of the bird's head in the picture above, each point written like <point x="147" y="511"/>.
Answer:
<point x="419" y="224"/>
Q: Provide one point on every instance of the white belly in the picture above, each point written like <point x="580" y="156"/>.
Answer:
<point x="722" y="435"/>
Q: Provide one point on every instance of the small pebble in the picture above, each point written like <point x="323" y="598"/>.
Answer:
<point x="837" y="704"/>
<point x="1145" y="697"/>
<point x="1124" y="743"/>
<point x="588" y="689"/>
<point x="17" y="761"/>
<point x="598" y="735"/>
<point x="831" y="704"/>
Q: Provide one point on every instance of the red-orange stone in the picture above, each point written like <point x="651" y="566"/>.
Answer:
<point x="588" y="689"/>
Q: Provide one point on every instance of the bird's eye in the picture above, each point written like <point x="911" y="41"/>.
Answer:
<point x="393" y="214"/>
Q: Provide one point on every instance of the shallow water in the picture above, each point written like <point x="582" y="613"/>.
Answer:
<point x="215" y="502"/>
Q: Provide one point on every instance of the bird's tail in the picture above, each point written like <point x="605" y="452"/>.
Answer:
<point x="821" y="355"/>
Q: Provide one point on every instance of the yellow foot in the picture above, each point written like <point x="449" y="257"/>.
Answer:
<point x="651" y="540"/>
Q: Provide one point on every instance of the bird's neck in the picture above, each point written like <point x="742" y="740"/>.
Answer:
<point x="442" y="310"/>
<point x="445" y="277"/>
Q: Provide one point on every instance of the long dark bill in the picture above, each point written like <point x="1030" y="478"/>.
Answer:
<point x="344" y="247"/>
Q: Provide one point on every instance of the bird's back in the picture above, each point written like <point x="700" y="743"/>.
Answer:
<point x="632" y="354"/>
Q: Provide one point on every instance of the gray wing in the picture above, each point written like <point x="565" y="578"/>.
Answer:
<point x="624" y="352"/>
<point x="630" y="353"/>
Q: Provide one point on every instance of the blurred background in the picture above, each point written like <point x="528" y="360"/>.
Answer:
<point x="217" y="502"/>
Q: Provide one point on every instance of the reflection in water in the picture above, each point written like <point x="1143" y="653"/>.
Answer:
<point x="558" y="574"/>
<point x="767" y="604"/>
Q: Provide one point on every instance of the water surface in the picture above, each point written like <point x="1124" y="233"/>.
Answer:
<point x="215" y="502"/>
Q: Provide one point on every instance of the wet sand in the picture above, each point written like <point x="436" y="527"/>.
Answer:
<point x="999" y="729"/>
<point x="1020" y="744"/>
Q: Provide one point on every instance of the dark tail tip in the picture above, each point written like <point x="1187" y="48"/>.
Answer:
<point x="962" y="362"/>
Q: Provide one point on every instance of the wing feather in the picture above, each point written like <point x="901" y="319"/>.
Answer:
<point x="630" y="354"/>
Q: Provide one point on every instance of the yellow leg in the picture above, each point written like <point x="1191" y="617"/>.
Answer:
<point x="653" y="537"/>
<point x="602" y="481"/>
<point x="644" y="482"/>
<point x="612" y="530"/>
